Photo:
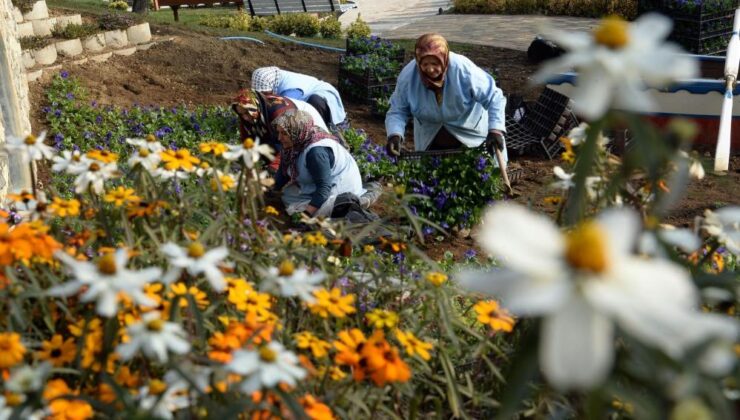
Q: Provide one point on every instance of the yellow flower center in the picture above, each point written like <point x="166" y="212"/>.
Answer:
<point x="13" y="400"/>
<point x="107" y="264"/>
<point x="286" y="268"/>
<point x="94" y="167"/>
<point x="248" y="143"/>
<point x="196" y="250"/>
<point x="585" y="248"/>
<point x="143" y="152"/>
<point x="267" y="355"/>
<point x="155" y="325"/>
<point x="30" y="140"/>
<point x="157" y="387"/>
<point x="150" y="138"/>
<point x="612" y="32"/>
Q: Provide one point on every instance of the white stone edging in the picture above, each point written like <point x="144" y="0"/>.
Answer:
<point x="45" y="56"/>
<point x="116" y="38"/>
<point x="69" y="48"/>
<point x="39" y="11"/>
<point x="94" y="43"/>
<point x="139" y="34"/>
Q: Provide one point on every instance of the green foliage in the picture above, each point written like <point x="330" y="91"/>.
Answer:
<point x="258" y="24"/>
<point x="282" y="24"/>
<point x="24" y="6"/>
<point x="450" y="192"/>
<point x="330" y="27"/>
<point x="358" y="29"/>
<point x="305" y="25"/>
<point x="73" y="31"/>
<point x="118" y="5"/>
<point x="240" y="21"/>
<point x="585" y="8"/>
<point x="34" y="42"/>
<point x="215" y="21"/>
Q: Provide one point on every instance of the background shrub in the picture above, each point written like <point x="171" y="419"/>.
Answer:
<point x="282" y="24"/>
<point x="258" y="24"/>
<point x="73" y="31"/>
<point x="118" y="5"/>
<point x="358" y="29"/>
<point x="240" y="21"/>
<point x="215" y="21"/>
<point x="331" y="27"/>
<point x="583" y="8"/>
<point x="305" y="24"/>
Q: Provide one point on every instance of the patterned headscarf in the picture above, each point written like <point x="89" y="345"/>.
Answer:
<point x="303" y="132"/>
<point x="266" y="79"/>
<point x="257" y="111"/>
<point x="433" y="45"/>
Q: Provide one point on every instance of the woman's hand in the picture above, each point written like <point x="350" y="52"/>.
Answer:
<point x="393" y="146"/>
<point x="495" y="139"/>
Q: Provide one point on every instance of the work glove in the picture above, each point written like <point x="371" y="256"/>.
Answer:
<point x="393" y="147"/>
<point x="494" y="139"/>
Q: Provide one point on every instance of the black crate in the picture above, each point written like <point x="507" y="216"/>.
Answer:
<point x="397" y="56"/>
<point x="691" y="9"/>
<point x="366" y="78"/>
<point x="709" y="45"/>
<point x="363" y="93"/>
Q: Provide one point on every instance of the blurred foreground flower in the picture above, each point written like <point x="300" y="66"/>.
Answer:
<point x="267" y="367"/>
<point x="724" y="224"/>
<point x="196" y="260"/>
<point x="249" y="151"/>
<point x="154" y="337"/>
<point x="287" y="281"/>
<point x="617" y="62"/>
<point x="30" y="147"/>
<point x="583" y="282"/>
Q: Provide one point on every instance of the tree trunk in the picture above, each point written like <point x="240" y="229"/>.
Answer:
<point x="140" y="6"/>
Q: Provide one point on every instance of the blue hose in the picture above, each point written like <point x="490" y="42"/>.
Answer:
<point x="241" y="38"/>
<point x="306" y="44"/>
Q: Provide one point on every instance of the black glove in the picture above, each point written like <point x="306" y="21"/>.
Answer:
<point x="393" y="147"/>
<point x="494" y="139"/>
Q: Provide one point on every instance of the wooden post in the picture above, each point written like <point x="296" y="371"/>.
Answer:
<point x="251" y="8"/>
<point x="277" y="6"/>
<point x="174" y="11"/>
<point x="14" y="104"/>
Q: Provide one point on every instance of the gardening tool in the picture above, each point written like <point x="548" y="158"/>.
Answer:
<point x="732" y="60"/>
<point x="502" y="165"/>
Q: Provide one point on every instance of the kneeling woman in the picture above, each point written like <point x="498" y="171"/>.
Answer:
<point x="314" y="168"/>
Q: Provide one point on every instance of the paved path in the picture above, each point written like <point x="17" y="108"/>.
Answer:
<point x="514" y="32"/>
<point x="386" y="15"/>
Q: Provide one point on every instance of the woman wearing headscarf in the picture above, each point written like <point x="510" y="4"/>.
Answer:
<point x="453" y="102"/>
<point x="314" y="168"/>
<point x="257" y="110"/>
<point x="321" y="95"/>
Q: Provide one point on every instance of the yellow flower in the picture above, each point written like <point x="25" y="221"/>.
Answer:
<point x="102" y="156"/>
<point x="368" y="249"/>
<point x="271" y="210"/>
<point x="491" y="314"/>
<point x="413" y="345"/>
<point x="436" y="278"/>
<point x="64" y="208"/>
<point x="568" y="155"/>
<point x="305" y="340"/>
<point x="227" y="182"/>
<point x="79" y="327"/>
<point x="380" y="318"/>
<point x="332" y="302"/>
<point x="553" y="200"/>
<point x="179" y="159"/>
<point x="121" y="196"/>
<point x="182" y="290"/>
<point x="11" y="350"/>
<point x="334" y="372"/>
<point x="316" y="238"/>
<point x="213" y="147"/>
<point x="65" y="408"/>
<point x="57" y="350"/>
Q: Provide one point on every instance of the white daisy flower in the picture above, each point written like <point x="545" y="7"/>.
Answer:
<point x="68" y="160"/>
<point x="28" y="379"/>
<point x="104" y="281"/>
<point x="149" y="143"/>
<point x="249" y="151"/>
<point x="683" y="239"/>
<point x="196" y="261"/>
<point x="577" y="136"/>
<point x="162" y="406"/>
<point x="724" y="224"/>
<point x="565" y="182"/>
<point x="145" y="157"/>
<point x="154" y="337"/>
<point x="92" y="174"/>
<point x="165" y="175"/>
<point x="287" y="281"/>
<point x="583" y="283"/>
<point x="195" y="376"/>
<point x="266" y="367"/>
<point x="29" y="147"/>
<point x="7" y="411"/>
<point x="617" y="62"/>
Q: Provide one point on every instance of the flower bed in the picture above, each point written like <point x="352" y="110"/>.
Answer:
<point x="377" y="46"/>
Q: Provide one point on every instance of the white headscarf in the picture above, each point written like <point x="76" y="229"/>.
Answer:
<point x="266" y="79"/>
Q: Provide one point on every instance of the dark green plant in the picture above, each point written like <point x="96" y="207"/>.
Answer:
<point x="34" y="42"/>
<point x="24" y="6"/>
<point x="330" y="27"/>
<point x="113" y="21"/>
<point x="74" y="31"/>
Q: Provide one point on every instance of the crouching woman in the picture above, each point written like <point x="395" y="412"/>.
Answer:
<point x="314" y="168"/>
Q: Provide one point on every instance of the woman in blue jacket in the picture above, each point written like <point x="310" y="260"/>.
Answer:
<point x="321" y="95"/>
<point x="452" y="101"/>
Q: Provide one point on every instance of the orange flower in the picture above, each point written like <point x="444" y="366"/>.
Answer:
<point x="63" y="408"/>
<point x="179" y="159"/>
<point x="382" y="361"/>
<point x="491" y="314"/>
<point x="349" y="346"/>
<point x="57" y="350"/>
<point x="315" y="409"/>
<point x="102" y="156"/>
<point x="332" y="302"/>
<point x="121" y="196"/>
<point x="222" y="346"/>
<point x="64" y="208"/>
<point x="11" y="350"/>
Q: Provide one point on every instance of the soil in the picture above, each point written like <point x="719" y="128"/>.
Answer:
<point x="196" y="69"/>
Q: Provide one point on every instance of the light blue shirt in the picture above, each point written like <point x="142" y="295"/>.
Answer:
<point x="471" y="105"/>
<point x="310" y="85"/>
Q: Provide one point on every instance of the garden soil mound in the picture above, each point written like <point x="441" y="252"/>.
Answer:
<point x="196" y="69"/>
